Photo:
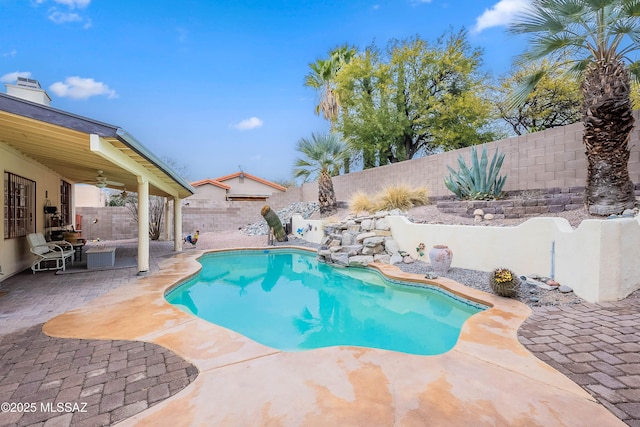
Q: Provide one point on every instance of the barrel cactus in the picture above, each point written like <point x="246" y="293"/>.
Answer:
<point x="504" y="282"/>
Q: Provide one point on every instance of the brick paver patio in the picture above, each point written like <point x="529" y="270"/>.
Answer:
<point x="597" y="346"/>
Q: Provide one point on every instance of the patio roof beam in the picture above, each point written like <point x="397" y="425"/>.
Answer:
<point x="103" y="148"/>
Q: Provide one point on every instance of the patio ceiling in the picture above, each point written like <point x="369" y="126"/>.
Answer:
<point x="77" y="148"/>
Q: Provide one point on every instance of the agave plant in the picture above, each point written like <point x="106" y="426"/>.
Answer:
<point x="477" y="182"/>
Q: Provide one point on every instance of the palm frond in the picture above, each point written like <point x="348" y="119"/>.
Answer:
<point x="519" y="96"/>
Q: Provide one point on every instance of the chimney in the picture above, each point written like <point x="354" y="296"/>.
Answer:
<point x="30" y="90"/>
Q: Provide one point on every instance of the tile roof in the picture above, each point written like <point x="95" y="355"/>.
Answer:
<point x="212" y="182"/>
<point x="252" y="177"/>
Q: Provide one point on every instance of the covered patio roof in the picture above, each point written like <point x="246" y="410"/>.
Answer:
<point x="77" y="148"/>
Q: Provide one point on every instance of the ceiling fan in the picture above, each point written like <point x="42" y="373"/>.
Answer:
<point x="101" y="181"/>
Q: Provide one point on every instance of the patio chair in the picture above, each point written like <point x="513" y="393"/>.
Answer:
<point x="49" y="253"/>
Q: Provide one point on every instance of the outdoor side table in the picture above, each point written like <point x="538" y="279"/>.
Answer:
<point x="100" y="257"/>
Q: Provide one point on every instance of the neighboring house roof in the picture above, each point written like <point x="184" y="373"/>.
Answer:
<point x="77" y="147"/>
<point x="253" y="177"/>
<point x="210" y="181"/>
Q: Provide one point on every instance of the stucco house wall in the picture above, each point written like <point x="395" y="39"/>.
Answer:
<point x="205" y="195"/>
<point x="14" y="253"/>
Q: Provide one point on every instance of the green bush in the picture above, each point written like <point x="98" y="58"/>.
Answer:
<point x="477" y="183"/>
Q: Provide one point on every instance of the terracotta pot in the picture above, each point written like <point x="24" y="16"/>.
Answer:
<point x="440" y="257"/>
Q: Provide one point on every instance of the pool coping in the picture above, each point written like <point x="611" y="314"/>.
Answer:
<point x="487" y="378"/>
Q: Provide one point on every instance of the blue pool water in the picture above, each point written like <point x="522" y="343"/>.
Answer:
<point x="285" y="299"/>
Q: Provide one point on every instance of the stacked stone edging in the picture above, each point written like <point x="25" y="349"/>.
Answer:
<point x="519" y="204"/>
<point x="357" y="241"/>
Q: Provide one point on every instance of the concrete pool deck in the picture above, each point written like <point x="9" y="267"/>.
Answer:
<point x="489" y="378"/>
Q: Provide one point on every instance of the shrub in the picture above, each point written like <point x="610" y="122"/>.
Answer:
<point x="401" y="197"/>
<point x="504" y="282"/>
<point x="361" y="202"/>
<point x="477" y="183"/>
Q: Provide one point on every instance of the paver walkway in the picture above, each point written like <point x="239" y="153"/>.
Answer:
<point x="107" y="380"/>
<point x="597" y="346"/>
<point x="98" y="383"/>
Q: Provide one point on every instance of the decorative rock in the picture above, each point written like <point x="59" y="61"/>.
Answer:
<point x="340" y="258"/>
<point x="371" y="242"/>
<point x="565" y="289"/>
<point x="478" y="213"/>
<point x="348" y="238"/>
<point x="533" y="290"/>
<point x="396" y="258"/>
<point x="324" y="252"/>
<point x="383" y="224"/>
<point x="545" y="287"/>
<point x="335" y="242"/>
<point x="382" y="258"/>
<point x="430" y="275"/>
<point x="534" y="299"/>
<point x="367" y="250"/>
<point x="553" y="283"/>
<point x="360" y="237"/>
<point x="391" y="246"/>
<point x="367" y="225"/>
<point x="612" y="216"/>
<point x="408" y="260"/>
<point x="488" y="216"/>
<point x="628" y="213"/>
<point x="351" y="250"/>
<point x="360" y="261"/>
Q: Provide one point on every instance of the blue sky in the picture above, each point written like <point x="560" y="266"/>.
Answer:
<point x="218" y="85"/>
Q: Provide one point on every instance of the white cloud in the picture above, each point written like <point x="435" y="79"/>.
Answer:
<point x="81" y="88"/>
<point x="63" y="18"/>
<point x="418" y="2"/>
<point x="247" y="124"/>
<point x="502" y="13"/>
<point x="11" y="53"/>
<point x="13" y="77"/>
<point x="72" y="4"/>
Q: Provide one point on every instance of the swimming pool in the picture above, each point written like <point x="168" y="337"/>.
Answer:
<point x="285" y="299"/>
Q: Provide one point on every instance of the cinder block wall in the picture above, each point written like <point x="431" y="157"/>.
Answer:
<point x="549" y="159"/>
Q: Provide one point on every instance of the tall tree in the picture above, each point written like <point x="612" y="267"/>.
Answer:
<point x="596" y="36"/>
<point x="554" y="102"/>
<point x="414" y="98"/>
<point x="322" y="78"/>
<point x="323" y="155"/>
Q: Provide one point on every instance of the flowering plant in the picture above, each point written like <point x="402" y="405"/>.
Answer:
<point x="503" y="275"/>
<point x="420" y="249"/>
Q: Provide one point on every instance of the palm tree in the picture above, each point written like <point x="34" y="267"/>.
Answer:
<point x="595" y="37"/>
<point x="322" y="78"/>
<point x="323" y="156"/>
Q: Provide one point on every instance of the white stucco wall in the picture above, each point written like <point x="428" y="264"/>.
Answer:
<point x="598" y="260"/>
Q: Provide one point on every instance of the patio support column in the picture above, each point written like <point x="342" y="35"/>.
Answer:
<point x="143" y="225"/>
<point x="166" y="235"/>
<point x="177" y="224"/>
